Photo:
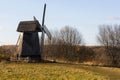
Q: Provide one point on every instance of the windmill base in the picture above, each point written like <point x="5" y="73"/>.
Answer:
<point x="26" y="59"/>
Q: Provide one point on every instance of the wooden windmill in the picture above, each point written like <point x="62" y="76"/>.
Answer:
<point x="29" y="45"/>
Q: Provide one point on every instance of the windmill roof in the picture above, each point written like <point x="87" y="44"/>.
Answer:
<point x="29" y="26"/>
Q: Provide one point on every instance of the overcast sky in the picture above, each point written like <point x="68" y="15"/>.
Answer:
<point x="85" y="15"/>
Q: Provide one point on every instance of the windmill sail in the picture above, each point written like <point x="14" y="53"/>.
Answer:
<point x="43" y="35"/>
<point x="35" y="19"/>
<point x="47" y="32"/>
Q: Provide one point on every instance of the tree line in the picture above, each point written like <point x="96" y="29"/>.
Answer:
<point x="68" y="45"/>
<point x="65" y="44"/>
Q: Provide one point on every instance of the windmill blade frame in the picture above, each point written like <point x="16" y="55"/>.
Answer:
<point x="43" y="35"/>
<point x="35" y="19"/>
<point x="47" y="32"/>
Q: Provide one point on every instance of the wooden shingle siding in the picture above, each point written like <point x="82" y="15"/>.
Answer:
<point x="30" y="46"/>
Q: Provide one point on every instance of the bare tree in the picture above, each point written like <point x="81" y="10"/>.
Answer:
<point x="71" y="38"/>
<point x="63" y="43"/>
<point x="70" y="35"/>
<point x="52" y="45"/>
<point x="109" y="37"/>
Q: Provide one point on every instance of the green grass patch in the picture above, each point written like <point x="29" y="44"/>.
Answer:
<point x="55" y="71"/>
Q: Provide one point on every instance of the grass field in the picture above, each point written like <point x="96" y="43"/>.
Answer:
<point x="56" y="71"/>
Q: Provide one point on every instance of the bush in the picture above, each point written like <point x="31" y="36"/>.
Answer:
<point x="4" y="55"/>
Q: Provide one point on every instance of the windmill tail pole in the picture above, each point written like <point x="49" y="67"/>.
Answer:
<point x="42" y="37"/>
<point x="16" y="44"/>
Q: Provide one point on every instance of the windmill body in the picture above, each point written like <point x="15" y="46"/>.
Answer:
<point x="30" y="41"/>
